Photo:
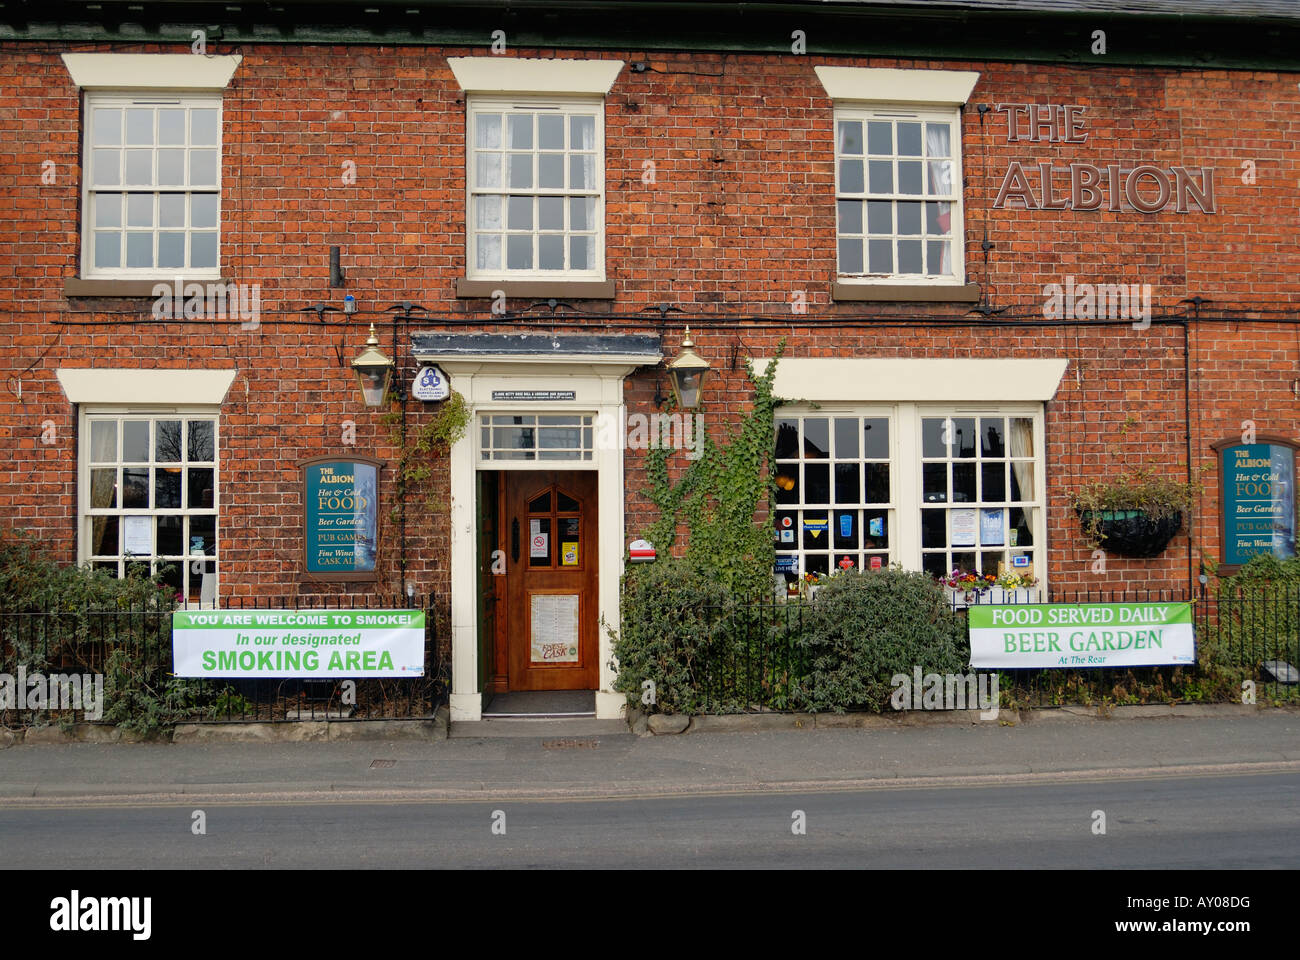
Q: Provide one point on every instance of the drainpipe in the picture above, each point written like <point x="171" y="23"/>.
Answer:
<point x="399" y="392"/>
<point x="1187" y="434"/>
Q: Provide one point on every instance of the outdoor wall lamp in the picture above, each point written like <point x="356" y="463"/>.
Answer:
<point x="374" y="371"/>
<point x="687" y="374"/>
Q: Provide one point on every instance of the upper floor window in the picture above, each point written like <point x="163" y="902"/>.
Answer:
<point x="898" y="195"/>
<point x="897" y="177"/>
<point x="152" y="185"/>
<point x="536" y="188"/>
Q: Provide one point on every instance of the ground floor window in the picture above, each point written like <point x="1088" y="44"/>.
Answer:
<point x="933" y="488"/>
<point x="833" y="492"/>
<point x="149" y="498"/>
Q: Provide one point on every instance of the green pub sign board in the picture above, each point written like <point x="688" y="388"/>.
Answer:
<point x="1258" y="500"/>
<point x="341" y="501"/>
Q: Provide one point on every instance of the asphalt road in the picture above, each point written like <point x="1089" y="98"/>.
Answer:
<point x="1180" y="822"/>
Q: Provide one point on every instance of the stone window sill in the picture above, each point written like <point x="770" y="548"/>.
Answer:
<point x="543" y="289"/>
<point x="76" y="287"/>
<point x="905" y="292"/>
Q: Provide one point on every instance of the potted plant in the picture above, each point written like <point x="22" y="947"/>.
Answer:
<point x="1016" y="587"/>
<point x="811" y="583"/>
<point x="958" y="585"/>
<point x="1136" y="514"/>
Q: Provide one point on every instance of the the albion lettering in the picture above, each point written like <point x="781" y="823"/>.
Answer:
<point x="1115" y="187"/>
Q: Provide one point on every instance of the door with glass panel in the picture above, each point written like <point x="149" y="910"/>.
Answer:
<point x="834" y="496"/>
<point x="551" y="579"/>
<point x="979" y="493"/>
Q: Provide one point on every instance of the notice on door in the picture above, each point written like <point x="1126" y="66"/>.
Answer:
<point x="539" y="540"/>
<point x="554" y="628"/>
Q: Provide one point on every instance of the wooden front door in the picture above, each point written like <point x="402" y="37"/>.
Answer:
<point x="551" y="607"/>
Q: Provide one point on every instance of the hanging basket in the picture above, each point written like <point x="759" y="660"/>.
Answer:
<point x="1131" y="533"/>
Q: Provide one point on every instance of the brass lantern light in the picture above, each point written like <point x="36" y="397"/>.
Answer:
<point x="687" y="374"/>
<point x="374" y="371"/>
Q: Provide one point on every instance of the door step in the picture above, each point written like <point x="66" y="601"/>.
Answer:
<point x="534" y="704"/>
<point x="537" y="726"/>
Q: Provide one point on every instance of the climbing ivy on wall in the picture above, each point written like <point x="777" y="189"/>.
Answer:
<point x="718" y="495"/>
<point x="438" y="433"/>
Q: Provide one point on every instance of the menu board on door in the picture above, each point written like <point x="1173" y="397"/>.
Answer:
<point x="554" y="627"/>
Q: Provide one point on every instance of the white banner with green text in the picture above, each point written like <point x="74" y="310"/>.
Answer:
<point x="1062" y="635"/>
<point x="298" y="643"/>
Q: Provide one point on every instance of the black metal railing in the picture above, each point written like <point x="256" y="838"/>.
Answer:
<point x="1243" y="640"/>
<point x="1246" y="641"/>
<point x="131" y="648"/>
<point x="754" y="660"/>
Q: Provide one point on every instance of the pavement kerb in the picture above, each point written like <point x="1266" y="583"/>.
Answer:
<point x="749" y="722"/>
<point x="97" y="794"/>
<point x="291" y="731"/>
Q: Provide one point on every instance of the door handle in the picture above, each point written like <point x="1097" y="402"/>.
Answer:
<point x="514" y="540"/>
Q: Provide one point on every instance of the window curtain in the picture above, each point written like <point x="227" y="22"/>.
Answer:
<point x="1022" y="445"/>
<point x="101" y="495"/>
<point x="938" y="143"/>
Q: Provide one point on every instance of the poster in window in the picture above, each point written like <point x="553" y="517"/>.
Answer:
<point x="991" y="526"/>
<point x="341" y="517"/>
<point x="962" y="526"/>
<point x="137" y="536"/>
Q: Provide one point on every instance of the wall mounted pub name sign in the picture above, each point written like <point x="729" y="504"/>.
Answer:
<point x="1041" y="184"/>
<point x="341" y="522"/>
<point x="1259" y="507"/>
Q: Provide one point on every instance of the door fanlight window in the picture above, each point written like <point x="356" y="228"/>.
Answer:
<point x="514" y="436"/>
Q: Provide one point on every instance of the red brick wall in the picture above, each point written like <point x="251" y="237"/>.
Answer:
<point x="740" y="218"/>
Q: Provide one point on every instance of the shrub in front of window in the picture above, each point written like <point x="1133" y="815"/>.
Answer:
<point x="83" y="619"/>
<point x="865" y="627"/>
<point x="674" y="634"/>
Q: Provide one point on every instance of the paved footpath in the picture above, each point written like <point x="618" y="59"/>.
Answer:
<point x="619" y="764"/>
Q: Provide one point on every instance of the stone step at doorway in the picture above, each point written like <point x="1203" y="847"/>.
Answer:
<point x="541" y="705"/>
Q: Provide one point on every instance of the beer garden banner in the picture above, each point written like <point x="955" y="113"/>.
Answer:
<point x="298" y="643"/>
<point x="1060" y="635"/>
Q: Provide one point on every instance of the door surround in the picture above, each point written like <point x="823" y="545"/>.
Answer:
<point x="591" y="370"/>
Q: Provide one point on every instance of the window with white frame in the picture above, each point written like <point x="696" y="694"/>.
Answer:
<point x="525" y="436"/>
<point x="978" y="492"/>
<point x="833" y="493"/>
<point x="898" y="194"/>
<point x="536" y="183"/>
<point x="149" y="498"/>
<point x="930" y="488"/>
<point x="152" y="185"/>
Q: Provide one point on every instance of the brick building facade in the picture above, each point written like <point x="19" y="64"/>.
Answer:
<point x="727" y="184"/>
